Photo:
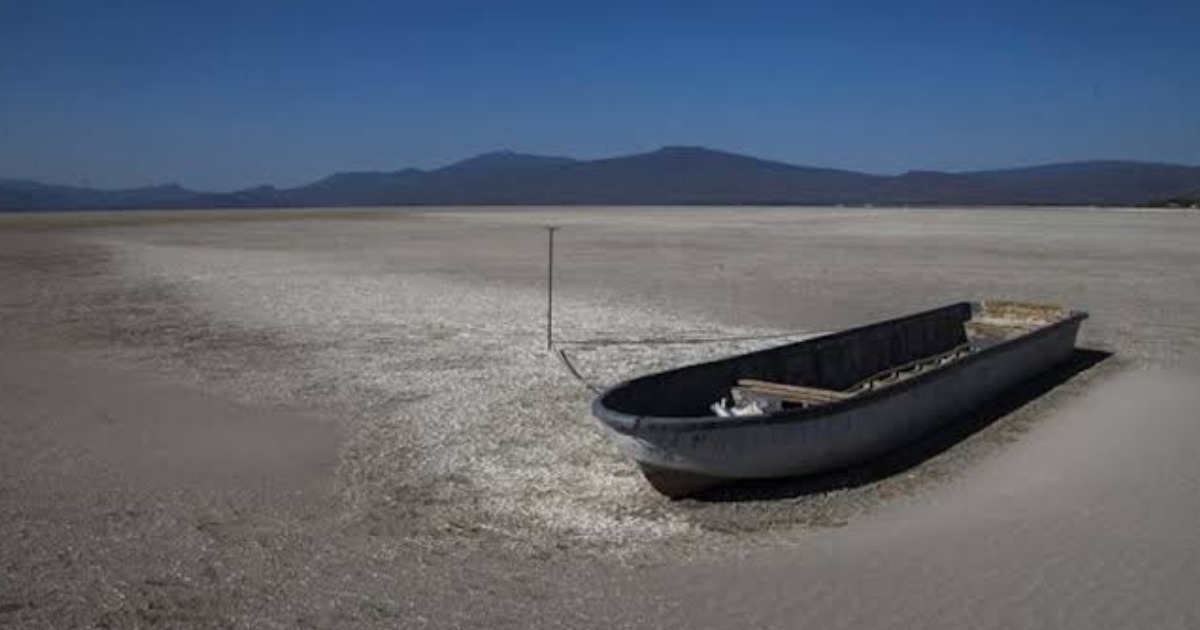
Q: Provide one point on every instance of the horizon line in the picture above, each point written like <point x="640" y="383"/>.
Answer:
<point x="660" y="149"/>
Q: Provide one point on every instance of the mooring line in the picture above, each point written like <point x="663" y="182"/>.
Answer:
<point x="566" y="359"/>
<point x="684" y="340"/>
<point x="562" y="356"/>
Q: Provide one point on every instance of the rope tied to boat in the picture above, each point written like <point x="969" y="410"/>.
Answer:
<point x="562" y="356"/>
<point x="565" y="359"/>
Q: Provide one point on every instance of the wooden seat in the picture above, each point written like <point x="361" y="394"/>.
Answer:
<point x="792" y="393"/>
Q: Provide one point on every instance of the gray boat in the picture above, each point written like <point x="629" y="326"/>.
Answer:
<point x="831" y="401"/>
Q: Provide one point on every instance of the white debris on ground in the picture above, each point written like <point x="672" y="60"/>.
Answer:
<point x="457" y="419"/>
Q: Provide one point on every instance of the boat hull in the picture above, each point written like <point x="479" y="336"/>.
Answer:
<point x="681" y="456"/>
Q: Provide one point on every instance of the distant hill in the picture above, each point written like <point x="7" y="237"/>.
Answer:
<point x="28" y="195"/>
<point x="1188" y="199"/>
<point x="668" y="176"/>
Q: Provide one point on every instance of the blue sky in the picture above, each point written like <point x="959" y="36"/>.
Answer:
<point x="221" y="95"/>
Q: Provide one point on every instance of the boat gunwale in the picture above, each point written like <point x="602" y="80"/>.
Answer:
<point x="630" y="424"/>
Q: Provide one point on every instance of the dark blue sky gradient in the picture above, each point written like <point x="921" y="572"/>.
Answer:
<point x="222" y="94"/>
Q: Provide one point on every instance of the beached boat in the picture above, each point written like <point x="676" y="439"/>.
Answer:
<point x="831" y="401"/>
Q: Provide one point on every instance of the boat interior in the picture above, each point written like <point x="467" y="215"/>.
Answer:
<point x="833" y="367"/>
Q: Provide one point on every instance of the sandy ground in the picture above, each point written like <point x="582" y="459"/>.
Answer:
<point x="345" y="419"/>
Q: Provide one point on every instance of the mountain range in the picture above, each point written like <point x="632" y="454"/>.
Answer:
<point x="667" y="176"/>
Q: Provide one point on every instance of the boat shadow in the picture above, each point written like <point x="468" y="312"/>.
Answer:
<point x="914" y="453"/>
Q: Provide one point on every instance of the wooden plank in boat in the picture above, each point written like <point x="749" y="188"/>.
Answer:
<point x="793" y="393"/>
<point x="764" y="395"/>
